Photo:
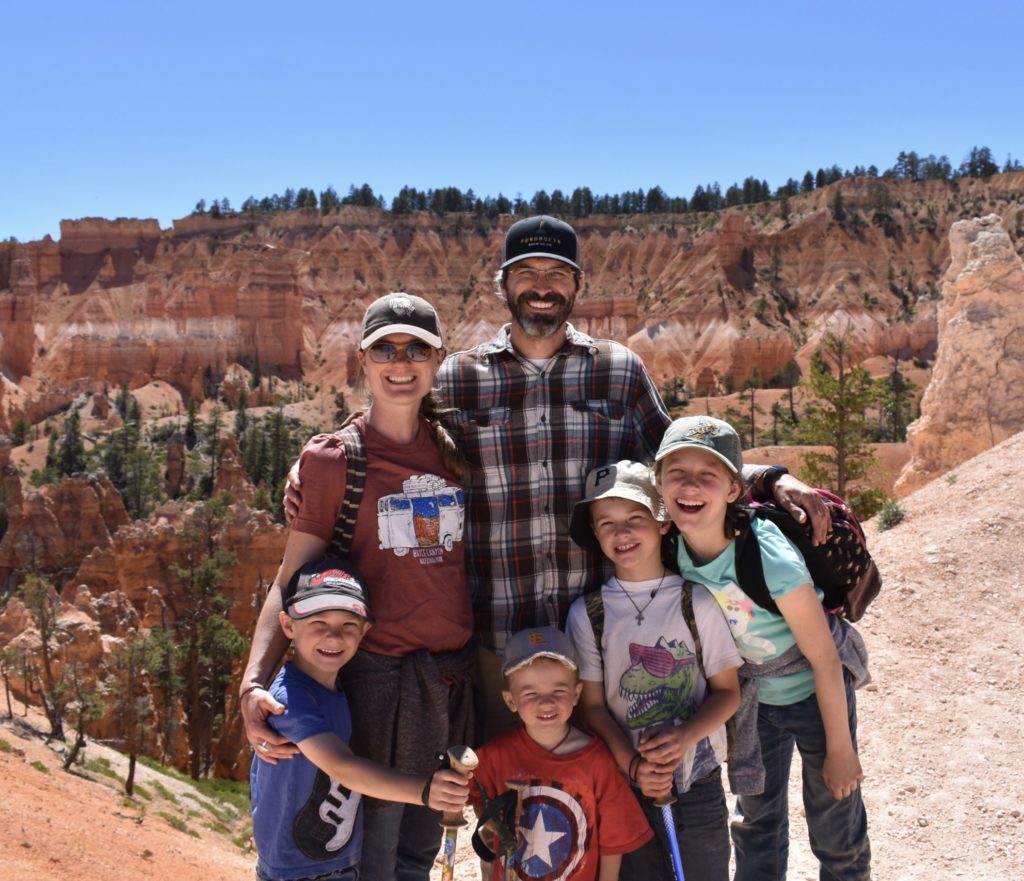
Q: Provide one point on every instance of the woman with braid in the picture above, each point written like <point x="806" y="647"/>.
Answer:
<point x="386" y="492"/>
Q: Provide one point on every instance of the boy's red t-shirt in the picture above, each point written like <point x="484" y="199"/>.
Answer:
<point x="575" y="808"/>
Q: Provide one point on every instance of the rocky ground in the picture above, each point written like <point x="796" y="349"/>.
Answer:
<point x="940" y="735"/>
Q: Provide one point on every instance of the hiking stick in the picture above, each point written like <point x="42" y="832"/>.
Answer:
<point x="463" y="760"/>
<point x="665" y="802"/>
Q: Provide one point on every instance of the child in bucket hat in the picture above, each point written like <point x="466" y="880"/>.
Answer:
<point x="795" y="691"/>
<point x="307" y="811"/>
<point x="658" y="666"/>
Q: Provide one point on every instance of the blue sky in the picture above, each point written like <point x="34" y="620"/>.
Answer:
<point x="135" y="109"/>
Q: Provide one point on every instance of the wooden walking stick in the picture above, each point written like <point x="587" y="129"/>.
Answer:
<point x="463" y="760"/>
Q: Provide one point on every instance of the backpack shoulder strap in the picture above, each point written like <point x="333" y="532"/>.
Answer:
<point x="749" y="568"/>
<point x="686" y="601"/>
<point x="355" y="483"/>
<point x="593" y="602"/>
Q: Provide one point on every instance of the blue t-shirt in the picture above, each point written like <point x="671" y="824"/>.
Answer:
<point x="760" y="636"/>
<point x="303" y="822"/>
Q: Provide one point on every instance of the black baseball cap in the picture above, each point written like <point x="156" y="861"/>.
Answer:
<point x="541" y="236"/>
<point x="326" y="585"/>
<point x="401" y="313"/>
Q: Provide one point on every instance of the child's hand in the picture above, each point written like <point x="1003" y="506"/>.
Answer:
<point x="654" y="780"/>
<point x="448" y="791"/>
<point x="666" y="745"/>
<point x="842" y="773"/>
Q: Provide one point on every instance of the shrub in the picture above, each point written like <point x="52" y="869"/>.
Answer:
<point x="890" y="514"/>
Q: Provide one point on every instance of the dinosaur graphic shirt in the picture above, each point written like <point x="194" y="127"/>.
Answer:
<point x="572" y="809"/>
<point x="649" y="669"/>
<point x="760" y="636"/>
<point x="304" y="823"/>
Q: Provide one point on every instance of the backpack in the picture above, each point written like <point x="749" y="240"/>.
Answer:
<point x="355" y="483"/>
<point x="841" y="567"/>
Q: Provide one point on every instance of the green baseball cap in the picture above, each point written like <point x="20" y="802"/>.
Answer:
<point x="705" y="433"/>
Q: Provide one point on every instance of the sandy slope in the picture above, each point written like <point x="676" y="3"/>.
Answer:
<point x="940" y="739"/>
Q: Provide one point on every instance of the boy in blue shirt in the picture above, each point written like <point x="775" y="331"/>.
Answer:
<point x="307" y="818"/>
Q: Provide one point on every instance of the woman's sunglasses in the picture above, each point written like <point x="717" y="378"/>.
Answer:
<point x="382" y="353"/>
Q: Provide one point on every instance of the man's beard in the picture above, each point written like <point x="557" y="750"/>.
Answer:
<point x="541" y="325"/>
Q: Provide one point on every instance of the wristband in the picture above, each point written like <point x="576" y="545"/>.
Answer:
<point x="769" y="477"/>
<point x="249" y="688"/>
<point x="634" y="766"/>
<point x="425" y="795"/>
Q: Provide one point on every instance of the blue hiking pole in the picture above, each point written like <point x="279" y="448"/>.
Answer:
<point x="665" y="802"/>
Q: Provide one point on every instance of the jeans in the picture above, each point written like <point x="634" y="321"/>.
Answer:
<point x="838" y="830"/>
<point x="349" y="874"/>
<point x="702" y="827"/>
<point x="400" y="843"/>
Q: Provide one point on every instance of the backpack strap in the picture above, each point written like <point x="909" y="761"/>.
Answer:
<point x="593" y="602"/>
<point x="686" y="601"/>
<point x="749" y="567"/>
<point x="691" y="622"/>
<point x="355" y="482"/>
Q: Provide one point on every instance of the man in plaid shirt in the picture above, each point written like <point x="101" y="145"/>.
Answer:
<point x="536" y="409"/>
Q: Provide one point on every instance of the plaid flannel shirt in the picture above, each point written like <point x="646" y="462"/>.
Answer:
<point x="531" y="436"/>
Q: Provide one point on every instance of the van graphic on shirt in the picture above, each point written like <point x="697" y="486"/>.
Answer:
<point x="428" y="513"/>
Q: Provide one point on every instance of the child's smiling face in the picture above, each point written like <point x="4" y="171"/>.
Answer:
<point x="697" y="486"/>
<point x="629" y="536"/>
<point x="324" y="642"/>
<point x="543" y="693"/>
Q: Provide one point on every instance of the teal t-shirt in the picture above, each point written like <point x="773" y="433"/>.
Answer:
<point x="760" y="636"/>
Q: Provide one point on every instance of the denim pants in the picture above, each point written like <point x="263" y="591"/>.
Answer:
<point x="838" y="830"/>
<point x="349" y="874"/>
<point x="702" y="827"/>
<point x="400" y="843"/>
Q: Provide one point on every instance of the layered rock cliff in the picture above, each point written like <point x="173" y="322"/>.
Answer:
<point x="700" y="297"/>
<point x="975" y="398"/>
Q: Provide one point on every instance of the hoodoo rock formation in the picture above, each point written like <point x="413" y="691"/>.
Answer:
<point x="974" y="400"/>
<point x="705" y="299"/>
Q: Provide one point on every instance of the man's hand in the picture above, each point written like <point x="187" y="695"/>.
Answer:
<point x="802" y="502"/>
<point x="270" y="746"/>
<point x="292" y="494"/>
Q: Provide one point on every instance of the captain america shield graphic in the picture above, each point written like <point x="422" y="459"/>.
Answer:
<point x="553" y="835"/>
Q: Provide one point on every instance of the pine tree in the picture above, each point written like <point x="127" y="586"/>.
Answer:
<point x="191" y="424"/>
<point x="842" y="391"/>
<point x="895" y="397"/>
<point x="207" y="643"/>
<point x="42" y="603"/>
<point x="125" y="681"/>
<point x="85" y="705"/>
<point x="71" y="457"/>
